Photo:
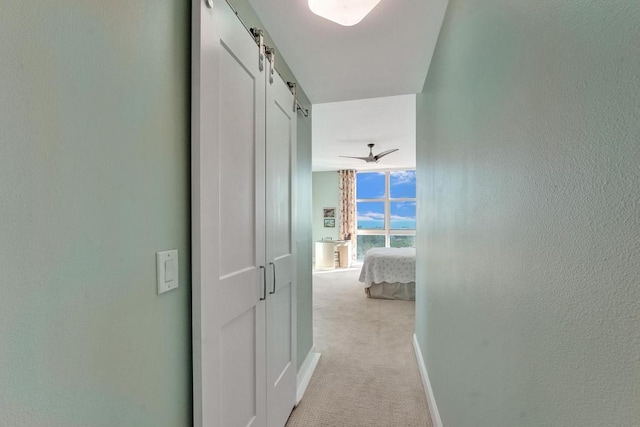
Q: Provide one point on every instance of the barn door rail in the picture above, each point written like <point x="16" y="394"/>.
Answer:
<point x="293" y="87"/>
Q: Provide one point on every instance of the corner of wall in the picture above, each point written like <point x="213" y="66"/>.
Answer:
<point x="426" y="384"/>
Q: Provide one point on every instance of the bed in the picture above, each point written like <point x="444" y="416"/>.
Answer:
<point x="390" y="273"/>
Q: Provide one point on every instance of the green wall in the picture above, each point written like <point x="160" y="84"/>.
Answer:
<point x="94" y="179"/>
<point x="304" y="240"/>
<point x="326" y="194"/>
<point x="528" y="296"/>
<point x="303" y="233"/>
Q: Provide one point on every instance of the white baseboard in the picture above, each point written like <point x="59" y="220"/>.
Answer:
<point x="431" y="400"/>
<point x="305" y="372"/>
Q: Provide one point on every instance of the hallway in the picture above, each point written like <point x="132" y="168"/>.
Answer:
<point x="367" y="375"/>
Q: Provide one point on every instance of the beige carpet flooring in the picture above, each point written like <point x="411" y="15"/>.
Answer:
<point x="367" y="375"/>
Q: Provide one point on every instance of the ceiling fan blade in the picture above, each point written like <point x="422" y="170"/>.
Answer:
<point x="384" y="153"/>
<point x="352" y="157"/>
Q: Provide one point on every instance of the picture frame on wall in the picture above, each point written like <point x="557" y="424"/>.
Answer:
<point x="328" y="213"/>
<point x="330" y="223"/>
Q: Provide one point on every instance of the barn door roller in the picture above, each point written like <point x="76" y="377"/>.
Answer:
<point x="271" y="55"/>
<point x="293" y="87"/>
<point x="258" y="36"/>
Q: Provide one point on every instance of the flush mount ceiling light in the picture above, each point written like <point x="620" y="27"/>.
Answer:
<point x="343" y="12"/>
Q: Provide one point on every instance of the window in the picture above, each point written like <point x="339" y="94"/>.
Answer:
<point x="386" y="210"/>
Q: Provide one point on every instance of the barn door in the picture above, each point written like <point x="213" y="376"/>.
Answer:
<point x="228" y="214"/>
<point x="281" y="301"/>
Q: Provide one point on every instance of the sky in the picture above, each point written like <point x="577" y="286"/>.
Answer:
<point x="371" y="185"/>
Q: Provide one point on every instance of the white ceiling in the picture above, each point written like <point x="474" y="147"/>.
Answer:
<point x="387" y="53"/>
<point x="345" y="128"/>
<point x="368" y="65"/>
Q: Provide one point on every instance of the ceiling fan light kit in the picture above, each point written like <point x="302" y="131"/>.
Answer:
<point x="343" y="12"/>
<point x="371" y="158"/>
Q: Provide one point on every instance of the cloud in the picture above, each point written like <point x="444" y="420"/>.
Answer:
<point x="402" y="205"/>
<point x="404" y="177"/>
<point x="370" y="216"/>
<point x="403" y="218"/>
<point x="370" y="175"/>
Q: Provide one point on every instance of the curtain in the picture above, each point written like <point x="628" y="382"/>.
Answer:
<point x="347" y="183"/>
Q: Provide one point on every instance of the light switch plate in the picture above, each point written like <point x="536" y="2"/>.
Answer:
<point x="167" y="270"/>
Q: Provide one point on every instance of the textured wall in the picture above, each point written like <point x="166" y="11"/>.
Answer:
<point x="326" y="194"/>
<point x="528" y="299"/>
<point x="94" y="179"/>
<point x="304" y="240"/>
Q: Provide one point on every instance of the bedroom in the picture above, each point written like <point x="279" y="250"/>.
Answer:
<point x="379" y="196"/>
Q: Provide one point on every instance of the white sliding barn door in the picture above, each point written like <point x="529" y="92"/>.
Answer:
<point x="281" y="329"/>
<point x="228" y="215"/>
<point x="243" y="257"/>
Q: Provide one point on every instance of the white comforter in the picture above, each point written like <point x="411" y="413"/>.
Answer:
<point x="391" y="265"/>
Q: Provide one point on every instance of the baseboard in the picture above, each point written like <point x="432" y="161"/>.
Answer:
<point x="305" y="372"/>
<point x="431" y="400"/>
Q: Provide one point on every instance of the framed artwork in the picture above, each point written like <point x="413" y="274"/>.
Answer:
<point x="330" y="223"/>
<point x="328" y="213"/>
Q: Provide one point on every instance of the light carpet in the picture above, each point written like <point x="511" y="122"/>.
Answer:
<point x="367" y="375"/>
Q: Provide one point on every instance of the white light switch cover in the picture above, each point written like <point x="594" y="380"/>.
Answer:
<point x="167" y="270"/>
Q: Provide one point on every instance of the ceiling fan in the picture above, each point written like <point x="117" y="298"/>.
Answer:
<point x="371" y="158"/>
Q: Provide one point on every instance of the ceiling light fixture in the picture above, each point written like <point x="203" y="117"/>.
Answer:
<point x="343" y="12"/>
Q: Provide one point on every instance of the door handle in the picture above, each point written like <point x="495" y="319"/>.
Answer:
<point x="274" y="278"/>
<point x="264" y="283"/>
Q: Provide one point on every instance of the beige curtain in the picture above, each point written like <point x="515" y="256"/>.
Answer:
<point x="347" y="179"/>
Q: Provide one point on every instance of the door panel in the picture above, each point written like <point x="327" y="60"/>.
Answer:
<point x="279" y="185"/>
<point x="228" y="208"/>
<point x="281" y="355"/>
<point x="237" y="297"/>
<point x="236" y="165"/>
<point x="238" y="370"/>
<point x="242" y="240"/>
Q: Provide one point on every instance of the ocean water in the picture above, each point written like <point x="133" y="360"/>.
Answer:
<point x="379" y="225"/>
